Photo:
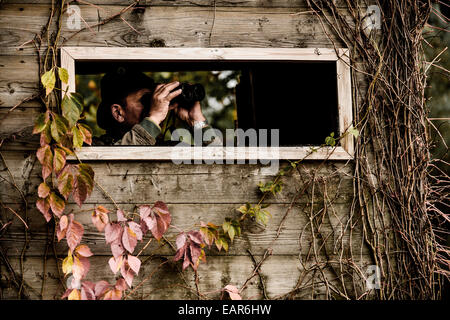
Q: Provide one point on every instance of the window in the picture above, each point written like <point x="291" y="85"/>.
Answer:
<point x="305" y="93"/>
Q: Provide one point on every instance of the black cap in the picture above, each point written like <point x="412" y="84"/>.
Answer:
<point x="115" y="86"/>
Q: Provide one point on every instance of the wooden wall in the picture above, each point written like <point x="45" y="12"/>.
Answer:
<point x="193" y="192"/>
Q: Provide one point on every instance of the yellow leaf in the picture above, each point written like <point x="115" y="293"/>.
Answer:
<point x="75" y="295"/>
<point x="67" y="264"/>
<point x="63" y="75"/>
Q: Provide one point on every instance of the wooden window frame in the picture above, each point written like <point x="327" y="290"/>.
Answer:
<point x="69" y="55"/>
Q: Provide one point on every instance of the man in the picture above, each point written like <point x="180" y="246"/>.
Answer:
<point x="125" y="116"/>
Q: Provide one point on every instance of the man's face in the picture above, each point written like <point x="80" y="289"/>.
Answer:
<point x="134" y="109"/>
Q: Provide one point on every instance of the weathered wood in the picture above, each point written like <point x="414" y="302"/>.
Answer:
<point x="171" y="27"/>
<point x="280" y="277"/>
<point x="192" y="3"/>
<point x="17" y="120"/>
<point x="295" y="237"/>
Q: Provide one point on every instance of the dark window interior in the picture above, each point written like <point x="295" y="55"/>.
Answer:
<point x="298" y="98"/>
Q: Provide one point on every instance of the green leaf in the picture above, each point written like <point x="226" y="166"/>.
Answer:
<point x="231" y="233"/>
<point x="63" y="75"/>
<point x="48" y="80"/>
<point x="70" y="111"/>
<point x="330" y="140"/>
<point x="77" y="138"/>
<point x="58" y="128"/>
<point x="353" y="131"/>
<point x="41" y="122"/>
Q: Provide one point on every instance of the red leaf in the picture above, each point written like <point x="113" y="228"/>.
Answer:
<point x="136" y="229"/>
<point x="115" y="264"/>
<point x="77" y="268"/>
<point x="44" y="206"/>
<point x="134" y="263"/>
<point x="62" y="228"/>
<point x="121" y="216"/>
<point x="233" y="292"/>
<point x="45" y="157"/>
<point x="74" y="233"/>
<point x="101" y="287"/>
<point x="66" y="293"/>
<point x="65" y="181"/>
<point x="144" y="211"/>
<point x="121" y="284"/>
<point x="181" y="240"/>
<point x="117" y="249"/>
<point x="127" y="273"/>
<point x="195" y="252"/>
<point x="43" y="190"/>
<point x="196" y="237"/>
<point x="100" y="218"/>
<point x="84" y="251"/>
<point x="158" y="220"/>
<point x="57" y="204"/>
<point x="87" y="291"/>
<point x="84" y="183"/>
<point x="113" y="232"/>
<point x="86" y="132"/>
<point x="113" y="294"/>
<point x="129" y="239"/>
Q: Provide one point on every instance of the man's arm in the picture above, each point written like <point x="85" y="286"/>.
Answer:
<point x="144" y="133"/>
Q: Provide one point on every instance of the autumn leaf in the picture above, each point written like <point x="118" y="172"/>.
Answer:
<point x="80" y="267"/>
<point x="45" y="157"/>
<point x="57" y="204"/>
<point x="46" y="136"/>
<point x="134" y="263"/>
<point x="59" y="160"/>
<point x="65" y="181"/>
<point x="157" y="218"/>
<point x="44" y="206"/>
<point x="75" y="295"/>
<point x="87" y="291"/>
<point x="86" y="132"/>
<point x="121" y="216"/>
<point x="48" y="80"/>
<point x="67" y="264"/>
<point x="136" y="228"/>
<point x="129" y="239"/>
<point x="74" y="233"/>
<point x="63" y="75"/>
<point x="100" y="218"/>
<point x="113" y="232"/>
<point x="58" y="127"/>
<point x="121" y="284"/>
<point x="113" y="294"/>
<point x="83" y="251"/>
<point x="189" y="248"/>
<point x="62" y="227"/>
<point x="84" y="183"/>
<point x="115" y="263"/>
<point x="43" y="190"/>
<point x="101" y="287"/>
<point x="233" y="292"/>
<point x="77" y="138"/>
<point x="41" y="122"/>
<point x="117" y="249"/>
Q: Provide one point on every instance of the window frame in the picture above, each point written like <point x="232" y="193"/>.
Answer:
<point x="70" y="55"/>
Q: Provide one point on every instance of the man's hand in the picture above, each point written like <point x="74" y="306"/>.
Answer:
<point x="161" y="100"/>
<point x="192" y="115"/>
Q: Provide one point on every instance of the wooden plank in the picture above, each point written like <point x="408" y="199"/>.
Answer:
<point x="20" y="120"/>
<point x="211" y="154"/>
<point x="280" y="276"/>
<point x="295" y="237"/>
<point x="345" y="105"/>
<point x="193" y="3"/>
<point x="183" y="54"/>
<point x="171" y="26"/>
